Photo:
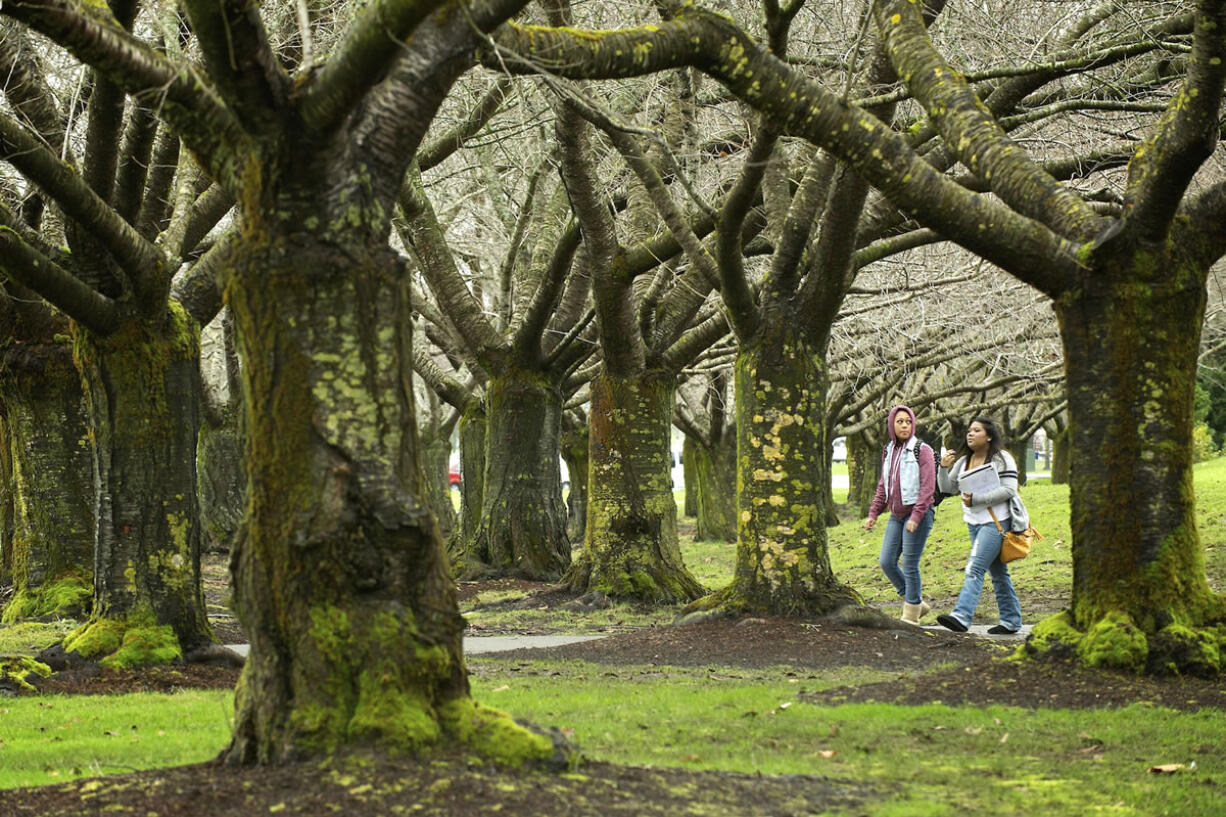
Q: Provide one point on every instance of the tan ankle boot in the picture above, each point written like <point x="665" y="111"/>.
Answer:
<point x="925" y="608"/>
<point x="911" y="613"/>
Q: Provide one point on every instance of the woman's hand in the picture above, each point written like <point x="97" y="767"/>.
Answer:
<point x="912" y="526"/>
<point x="948" y="459"/>
<point x="868" y="523"/>
<point x="966" y="500"/>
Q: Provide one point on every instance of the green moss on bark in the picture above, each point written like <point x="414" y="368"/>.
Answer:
<point x="126" y="643"/>
<point x="632" y="550"/>
<point x="68" y="598"/>
<point x="493" y="734"/>
<point x="17" y="669"/>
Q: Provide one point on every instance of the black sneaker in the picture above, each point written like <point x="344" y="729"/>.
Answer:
<point x="950" y="623"/>
<point x="1001" y="629"/>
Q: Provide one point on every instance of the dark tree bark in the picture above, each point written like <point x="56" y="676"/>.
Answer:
<point x="143" y="398"/>
<point x="1022" y="451"/>
<point x="715" y="487"/>
<point x="221" y="482"/>
<point x="690" y="475"/>
<point x="50" y="542"/>
<point x="340" y="578"/>
<point x="522" y="531"/>
<point x="1061" y="456"/>
<point x="575" y="442"/>
<point x="1138" y="568"/>
<point x="631" y="544"/>
<point x="436" y="463"/>
<point x="782" y="566"/>
<point x="472" y="481"/>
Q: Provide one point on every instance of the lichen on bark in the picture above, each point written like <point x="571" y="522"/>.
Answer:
<point x="632" y="550"/>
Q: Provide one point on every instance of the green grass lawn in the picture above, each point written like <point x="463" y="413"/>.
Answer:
<point x="932" y="760"/>
<point x="927" y="760"/>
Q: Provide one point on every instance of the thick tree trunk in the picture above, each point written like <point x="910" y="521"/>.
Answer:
<point x="51" y="484"/>
<point x="1061" y="453"/>
<point x="340" y="577"/>
<point x="436" y="463"/>
<point x="143" y="394"/>
<point x="715" y="475"/>
<point x="472" y="481"/>
<point x="690" y="475"/>
<point x="863" y="472"/>
<point x="6" y="504"/>
<point x="632" y="549"/>
<point x="575" y="453"/>
<point x="783" y="567"/>
<point x="1139" y="585"/>
<point x="220" y="480"/>
<point x="522" y="532"/>
<point x="1022" y="454"/>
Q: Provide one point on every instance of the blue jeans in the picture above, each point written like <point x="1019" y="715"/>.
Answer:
<point x="899" y="542"/>
<point x="985" y="558"/>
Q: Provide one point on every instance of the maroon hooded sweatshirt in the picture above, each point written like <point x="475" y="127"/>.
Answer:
<point x="889" y="470"/>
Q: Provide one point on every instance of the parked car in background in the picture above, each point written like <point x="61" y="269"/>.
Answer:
<point x="839" y="449"/>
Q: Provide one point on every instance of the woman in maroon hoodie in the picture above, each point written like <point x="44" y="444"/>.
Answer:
<point x="907" y="487"/>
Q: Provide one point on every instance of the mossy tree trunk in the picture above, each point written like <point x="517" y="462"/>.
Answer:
<point x="143" y="397"/>
<point x="632" y="549"/>
<point x="1139" y="587"/>
<point x="1060" y="456"/>
<point x="1022" y="452"/>
<point x="436" y="464"/>
<point x="220" y="480"/>
<point x="522" y="531"/>
<point x="51" y="485"/>
<point x="6" y="503"/>
<point x="340" y="576"/>
<point x="783" y="566"/>
<point x="575" y="453"/>
<point x="715" y="478"/>
<point x="863" y="472"/>
<point x="472" y="479"/>
<point x="690" y="475"/>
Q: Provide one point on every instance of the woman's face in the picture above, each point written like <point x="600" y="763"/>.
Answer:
<point x="977" y="437"/>
<point x="902" y="426"/>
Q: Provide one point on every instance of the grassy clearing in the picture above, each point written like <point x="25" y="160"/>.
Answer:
<point x="59" y="738"/>
<point x="946" y="760"/>
<point x="937" y="760"/>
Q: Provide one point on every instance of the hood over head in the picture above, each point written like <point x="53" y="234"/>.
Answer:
<point x="889" y="422"/>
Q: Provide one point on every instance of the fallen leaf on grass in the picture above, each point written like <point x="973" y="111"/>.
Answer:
<point x="1167" y="768"/>
<point x="690" y="759"/>
<point x="502" y="688"/>
<point x="973" y="730"/>
<point x="785" y="705"/>
<point x="826" y="753"/>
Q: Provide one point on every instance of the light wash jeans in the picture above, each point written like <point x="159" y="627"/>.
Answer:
<point x="985" y="558"/>
<point x="898" y="543"/>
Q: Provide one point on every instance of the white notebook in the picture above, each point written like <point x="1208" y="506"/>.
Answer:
<point x="978" y="480"/>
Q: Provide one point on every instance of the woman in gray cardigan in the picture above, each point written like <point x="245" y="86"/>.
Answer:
<point x="984" y="445"/>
